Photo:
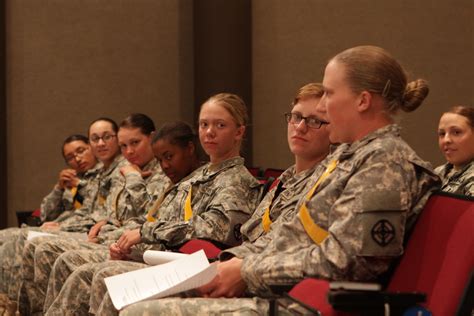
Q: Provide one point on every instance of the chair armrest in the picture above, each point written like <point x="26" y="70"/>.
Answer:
<point x="357" y="301"/>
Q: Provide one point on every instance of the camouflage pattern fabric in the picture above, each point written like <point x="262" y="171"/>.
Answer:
<point x="81" y="220"/>
<point x="366" y="205"/>
<point x="457" y="181"/>
<point x="293" y="185"/>
<point x="130" y="198"/>
<point x="65" y="265"/>
<point x="8" y="234"/>
<point x="199" y="306"/>
<point x="121" y="203"/>
<point x="59" y="201"/>
<point x="223" y="198"/>
<point x="379" y="182"/>
<point x="76" y="292"/>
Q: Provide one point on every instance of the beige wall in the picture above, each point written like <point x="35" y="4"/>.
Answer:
<point x="69" y="62"/>
<point x="293" y="39"/>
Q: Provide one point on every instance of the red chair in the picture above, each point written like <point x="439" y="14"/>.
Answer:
<point x="212" y="251"/>
<point x="438" y="261"/>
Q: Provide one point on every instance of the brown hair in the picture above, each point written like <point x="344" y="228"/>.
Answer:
<point x="373" y="69"/>
<point x="466" y="111"/>
<point x="233" y="104"/>
<point x="310" y="90"/>
<point x="141" y="121"/>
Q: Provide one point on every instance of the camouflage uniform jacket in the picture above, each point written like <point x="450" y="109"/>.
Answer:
<point x="94" y="207"/>
<point x="59" y="204"/>
<point x="457" y="182"/>
<point x="365" y="205"/>
<point x="292" y="186"/>
<point x="223" y="198"/>
<point x="130" y="197"/>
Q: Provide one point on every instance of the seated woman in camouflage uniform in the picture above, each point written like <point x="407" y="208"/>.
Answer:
<point x="351" y="224"/>
<point x="212" y="204"/>
<point x="456" y="141"/>
<point x="175" y="146"/>
<point x="130" y="194"/>
<point x="83" y="218"/>
<point x="66" y="195"/>
<point x="308" y="141"/>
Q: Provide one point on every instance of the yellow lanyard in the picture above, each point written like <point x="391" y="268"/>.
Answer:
<point x="151" y="214"/>
<point x="314" y="231"/>
<point x="188" y="211"/>
<point x="266" y="220"/>
<point x="76" y="203"/>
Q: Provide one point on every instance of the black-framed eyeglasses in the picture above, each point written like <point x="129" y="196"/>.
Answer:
<point x="78" y="153"/>
<point x="106" y="137"/>
<point x="310" y="121"/>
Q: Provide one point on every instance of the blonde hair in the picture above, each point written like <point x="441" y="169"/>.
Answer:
<point x="233" y="104"/>
<point x="310" y="90"/>
<point x="373" y="69"/>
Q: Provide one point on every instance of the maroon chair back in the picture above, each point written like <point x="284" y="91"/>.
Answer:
<point x="439" y="256"/>
<point x="211" y="250"/>
<point x="438" y="259"/>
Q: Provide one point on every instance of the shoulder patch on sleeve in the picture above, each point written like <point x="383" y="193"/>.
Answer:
<point x="383" y="232"/>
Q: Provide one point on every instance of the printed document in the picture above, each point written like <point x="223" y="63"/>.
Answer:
<point x="162" y="280"/>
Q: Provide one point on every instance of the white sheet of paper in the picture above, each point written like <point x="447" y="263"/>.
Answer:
<point x="33" y="234"/>
<point x="162" y="280"/>
<point x="154" y="257"/>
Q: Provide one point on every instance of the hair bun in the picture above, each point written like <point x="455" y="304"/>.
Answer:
<point x="415" y="92"/>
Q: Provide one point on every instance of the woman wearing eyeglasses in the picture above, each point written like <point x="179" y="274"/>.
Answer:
<point x="175" y="145"/>
<point x="364" y="198"/>
<point x="309" y="143"/>
<point x="131" y="193"/>
<point x="211" y="205"/>
<point x="66" y="195"/>
<point x="105" y="148"/>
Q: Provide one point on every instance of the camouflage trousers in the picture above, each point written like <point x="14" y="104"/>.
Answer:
<point x="8" y="234"/>
<point x="199" y="306"/>
<point x="7" y="251"/>
<point x="214" y="306"/>
<point x="8" y="237"/>
<point x="11" y="260"/>
<point x="81" y="294"/>
<point x="65" y="265"/>
<point x="39" y="255"/>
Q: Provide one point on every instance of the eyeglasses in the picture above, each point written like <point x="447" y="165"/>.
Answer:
<point x="311" y="121"/>
<point x="106" y="137"/>
<point x="79" y="152"/>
